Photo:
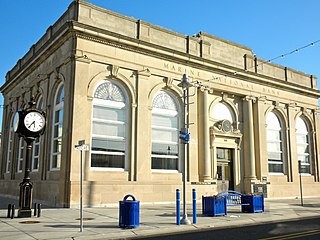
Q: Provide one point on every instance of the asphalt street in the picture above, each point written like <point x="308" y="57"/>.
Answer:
<point x="308" y="228"/>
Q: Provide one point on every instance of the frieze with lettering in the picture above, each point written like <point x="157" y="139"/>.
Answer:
<point x="181" y="69"/>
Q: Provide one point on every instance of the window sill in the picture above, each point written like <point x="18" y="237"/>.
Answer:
<point x="276" y="174"/>
<point x="105" y="169"/>
<point x="164" y="171"/>
<point x="306" y="174"/>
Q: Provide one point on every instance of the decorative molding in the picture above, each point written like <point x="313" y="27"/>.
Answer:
<point x="225" y="96"/>
<point x="145" y="72"/>
<point x="276" y="104"/>
<point x="168" y="81"/>
<point x="262" y="98"/>
<point x="114" y="70"/>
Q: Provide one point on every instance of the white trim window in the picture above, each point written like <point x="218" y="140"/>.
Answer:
<point x="274" y="144"/>
<point x="109" y="142"/>
<point x="57" y="129"/>
<point x="36" y="144"/>
<point x="20" y="155"/>
<point x="303" y="145"/>
<point x="10" y="147"/>
<point x="165" y="132"/>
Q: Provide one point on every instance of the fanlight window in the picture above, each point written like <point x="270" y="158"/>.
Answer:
<point x="165" y="131"/>
<point x="222" y="111"/>
<point x="109" y="91"/>
<point x="303" y="145"/>
<point x="274" y="143"/>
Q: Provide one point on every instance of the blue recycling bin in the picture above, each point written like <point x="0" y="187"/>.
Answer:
<point x="129" y="212"/>
<point x="214" y="206"/>
<point x="252" y="203"/>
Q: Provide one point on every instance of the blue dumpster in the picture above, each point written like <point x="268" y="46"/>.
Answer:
<point x="214" y="206"/>
<point x="129" y="212"/>
<point x="252" y="203"/>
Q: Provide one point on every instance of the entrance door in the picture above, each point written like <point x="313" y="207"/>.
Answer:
<point x="225" y="169"/>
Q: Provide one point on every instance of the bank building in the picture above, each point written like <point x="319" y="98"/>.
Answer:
<point x="113" y="81"/>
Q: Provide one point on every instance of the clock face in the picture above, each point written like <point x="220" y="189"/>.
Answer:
<point x="16" y="121"/>
<point x="34" y="121"/>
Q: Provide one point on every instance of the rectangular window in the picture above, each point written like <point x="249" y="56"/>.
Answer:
<point x="108" y="143"/>
<point x="165" y="142"/>
<point x="107" y="160"/>
<point x="275" y="154"/>
<point x="303" y="152"/>
<point x="164" y="163"/>
<point x="20" y="155"/>
<point x="57" y="140"/>
<point x="36" y="155"/>
<point x="9" y="155"/>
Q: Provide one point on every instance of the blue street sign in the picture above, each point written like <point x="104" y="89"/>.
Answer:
<point x="184" y="136"/>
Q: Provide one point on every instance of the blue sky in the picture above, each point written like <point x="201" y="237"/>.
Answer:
<point x="270" y="27"/>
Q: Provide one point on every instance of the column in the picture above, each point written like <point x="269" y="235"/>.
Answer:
<point x="205" y="135"/>
<point x="248" y="141"/>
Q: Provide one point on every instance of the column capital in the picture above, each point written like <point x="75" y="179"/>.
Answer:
<point x="250" y="98"/>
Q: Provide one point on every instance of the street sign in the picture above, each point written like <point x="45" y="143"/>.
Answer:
<point x="184" y="136"/>
<point x="84" y="147"/>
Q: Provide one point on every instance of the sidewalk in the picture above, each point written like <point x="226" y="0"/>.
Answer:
<point x="102" y="223"/>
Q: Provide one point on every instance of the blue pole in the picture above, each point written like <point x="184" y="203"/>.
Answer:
<point x="194" y="206"/>
<point x="178" y="206"/>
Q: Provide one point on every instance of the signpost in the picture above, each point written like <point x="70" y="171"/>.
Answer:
<point x="81" y="146"/>
<point x="299" y="162"/>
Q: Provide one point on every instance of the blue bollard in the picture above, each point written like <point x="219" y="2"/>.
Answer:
<point x="178" y="207"/>
<point x="194" y="206"/>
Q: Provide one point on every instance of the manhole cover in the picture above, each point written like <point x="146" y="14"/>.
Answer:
<point x="85" y="219"/>
<point x="29" y="222"/>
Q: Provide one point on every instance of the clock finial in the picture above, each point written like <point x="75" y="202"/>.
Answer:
<point x="32" y="102"/>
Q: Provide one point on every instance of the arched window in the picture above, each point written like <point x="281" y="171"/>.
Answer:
<point x="36" y="144"/>
<point x="109" y="127"/>
<point x="10" y="146"/>
<point x="57" y="128"/>
<point x="303" y="145"/>
<point x="222" y="111"/>
<point x="165" y="131"/>
<point x="275" y="143"/>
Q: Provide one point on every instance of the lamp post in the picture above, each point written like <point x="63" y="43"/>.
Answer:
<point x="184" y="138"/>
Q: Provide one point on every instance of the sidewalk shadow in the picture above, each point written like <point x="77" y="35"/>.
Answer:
<point x="317" y="205"/>
<point x="77" y="226"/>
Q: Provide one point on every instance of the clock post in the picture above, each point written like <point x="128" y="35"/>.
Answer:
<point x="25" y="197"/>
<point x="29" y="124"/>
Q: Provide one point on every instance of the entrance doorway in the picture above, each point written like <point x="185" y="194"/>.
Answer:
<point x="225" y="176"/>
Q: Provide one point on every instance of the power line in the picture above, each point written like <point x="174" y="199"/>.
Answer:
<point x="272" y="59"/>
<point x="291" y="52"/>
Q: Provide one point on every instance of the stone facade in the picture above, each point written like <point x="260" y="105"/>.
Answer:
<point x="232" y="96"/>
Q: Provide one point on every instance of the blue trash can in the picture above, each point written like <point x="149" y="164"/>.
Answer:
<point x="129" y="212"/>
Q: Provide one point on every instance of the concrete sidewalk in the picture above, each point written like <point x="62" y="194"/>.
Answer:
<point x="102" y="223"/>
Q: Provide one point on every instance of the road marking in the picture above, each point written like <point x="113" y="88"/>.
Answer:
<point x="293" y="235"/>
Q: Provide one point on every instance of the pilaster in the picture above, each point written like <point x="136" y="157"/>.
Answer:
<point x="204" y="137"/>
<point x="249" y="144"/>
